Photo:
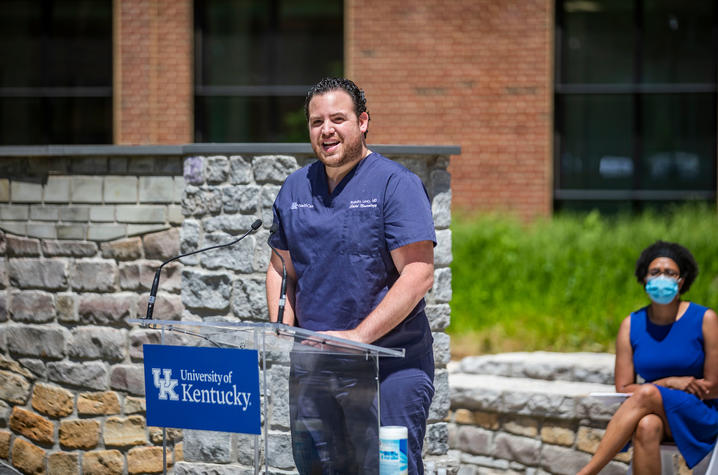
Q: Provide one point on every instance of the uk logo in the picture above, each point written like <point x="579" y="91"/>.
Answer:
<point x="167" y="385"/>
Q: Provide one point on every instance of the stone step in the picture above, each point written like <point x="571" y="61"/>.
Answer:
<point x="555" y="399"/>
<point x="530" y="412"/>
<point x="549" y="366"/>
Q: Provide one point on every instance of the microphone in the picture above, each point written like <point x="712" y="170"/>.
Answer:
<point x="156" y="281"/>
<point x="283" y="289"/>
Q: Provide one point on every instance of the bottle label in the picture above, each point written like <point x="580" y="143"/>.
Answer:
<point x="393" y="457"/>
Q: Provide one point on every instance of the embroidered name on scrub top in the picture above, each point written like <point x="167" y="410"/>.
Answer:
<point x="363" y="203"/>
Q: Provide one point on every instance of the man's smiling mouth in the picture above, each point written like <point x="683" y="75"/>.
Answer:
<point x="329" y="145"/>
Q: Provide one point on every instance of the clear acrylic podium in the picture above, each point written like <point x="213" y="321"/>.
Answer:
<point x="322" y="389"/>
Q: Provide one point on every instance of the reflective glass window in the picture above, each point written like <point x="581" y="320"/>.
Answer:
<point x="598" y="41"/>
<point x="55" y="72"/>
<point x="678" y="142"/>
<point x="635" y="102"/>
<point x="678" y="41"/>
<point x="597" y="148"/>
<point x="255" y="60"/>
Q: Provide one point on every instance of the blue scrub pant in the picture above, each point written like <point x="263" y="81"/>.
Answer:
<point x="333" y="411"/>
<point x="406" y="395"/>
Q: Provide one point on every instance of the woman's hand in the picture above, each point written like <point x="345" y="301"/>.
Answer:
<point x="689" y="384"/>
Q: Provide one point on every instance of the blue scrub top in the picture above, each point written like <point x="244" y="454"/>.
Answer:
<point x="340" y="244"/>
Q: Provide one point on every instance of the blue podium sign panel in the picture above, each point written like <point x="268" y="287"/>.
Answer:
<point x="202" y="388"/>
<point x="327" y="399"/>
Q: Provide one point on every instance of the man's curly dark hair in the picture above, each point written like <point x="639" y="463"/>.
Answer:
<point x="674" y="251"/>
<point x="332" y="84"/>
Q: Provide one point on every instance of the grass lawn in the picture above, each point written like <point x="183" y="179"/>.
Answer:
<point x="566" y="283"/>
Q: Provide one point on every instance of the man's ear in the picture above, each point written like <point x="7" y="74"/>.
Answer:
<point x="363" y="121"/>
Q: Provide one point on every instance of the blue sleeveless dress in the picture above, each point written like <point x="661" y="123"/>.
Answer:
<point x="660" y="351"/>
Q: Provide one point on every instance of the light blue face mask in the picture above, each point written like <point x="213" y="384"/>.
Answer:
<point x="662" y="289"/>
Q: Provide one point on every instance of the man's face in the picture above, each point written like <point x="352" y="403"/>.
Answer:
<point x="335" y="131"/>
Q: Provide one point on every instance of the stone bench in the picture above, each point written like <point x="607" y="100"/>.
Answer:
<point x="529" y="412"/>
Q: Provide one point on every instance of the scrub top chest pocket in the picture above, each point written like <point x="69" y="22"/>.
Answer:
<point x="363" y="227"/>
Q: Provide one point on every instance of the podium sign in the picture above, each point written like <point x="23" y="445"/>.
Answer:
<point x="324" y="390"/>
<point x="202" y="388"/>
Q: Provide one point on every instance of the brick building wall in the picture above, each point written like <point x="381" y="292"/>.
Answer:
<point x="474" y="73"/>
<point x="153" y="72"/>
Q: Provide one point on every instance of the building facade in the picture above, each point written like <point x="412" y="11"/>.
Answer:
<point x="556" y="104"/>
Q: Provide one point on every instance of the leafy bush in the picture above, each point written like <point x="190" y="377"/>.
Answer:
<point x="565" y="284"/>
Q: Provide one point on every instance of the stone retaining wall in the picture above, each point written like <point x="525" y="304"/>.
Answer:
<point x="224" y="195"/>
<point x="530" y="413"/>
<point x="82" y="230"/>
<point x="96" y="198"/>
<point x="71" y="380"/>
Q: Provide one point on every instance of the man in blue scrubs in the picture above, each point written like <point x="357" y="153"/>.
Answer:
<point x="356" y="232"/>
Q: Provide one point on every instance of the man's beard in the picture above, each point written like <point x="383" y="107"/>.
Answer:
<point x="352" y="153"/>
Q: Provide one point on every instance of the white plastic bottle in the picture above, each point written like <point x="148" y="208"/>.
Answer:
<point x="393" y="450"/>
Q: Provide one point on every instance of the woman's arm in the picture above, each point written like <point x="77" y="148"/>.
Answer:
<point x="710" y="346"/>
<point x="707" y="387"/>
<point x="624" y="372"/>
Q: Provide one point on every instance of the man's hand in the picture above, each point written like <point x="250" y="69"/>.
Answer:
<point x="318" y="342"/>
<point x="352" y="335"/>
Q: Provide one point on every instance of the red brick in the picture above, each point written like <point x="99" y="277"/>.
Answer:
<point x="474" y="73"/>
<point x="153" y="57"/>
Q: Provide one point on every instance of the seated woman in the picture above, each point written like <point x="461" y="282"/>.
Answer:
<point x="672" y="344"/>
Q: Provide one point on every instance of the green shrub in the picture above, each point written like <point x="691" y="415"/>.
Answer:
<point x="565" y="284"/>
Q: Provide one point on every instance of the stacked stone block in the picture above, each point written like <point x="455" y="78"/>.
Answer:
<point x="97" y="198"/>
<point x="497" y="439"/>
<point x="532" y="413"/>
<point x="71" y="376"/>
<point x="82" y="231"/>
<point x="224" y="195"/>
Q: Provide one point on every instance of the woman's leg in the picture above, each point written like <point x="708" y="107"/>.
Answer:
<point x="646" y="400"/>
<point x="647" y="445"/>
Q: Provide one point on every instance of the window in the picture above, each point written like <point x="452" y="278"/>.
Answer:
<point x="635" y="103"/>
<point x="255" y="60"/>
<point x="55" y="72"/>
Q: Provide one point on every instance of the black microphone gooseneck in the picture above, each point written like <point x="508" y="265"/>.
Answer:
<point x="156" y="281"/>
<point x="283" y="288"/>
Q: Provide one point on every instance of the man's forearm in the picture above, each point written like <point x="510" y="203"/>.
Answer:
<point x="273" y="288"/>
<point x="404" y="295"/>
